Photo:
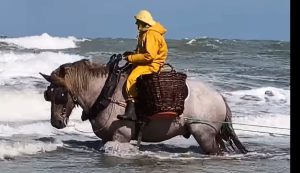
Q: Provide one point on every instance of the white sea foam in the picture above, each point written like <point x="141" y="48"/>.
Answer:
<point x="76" y="126"/>
<point x="274" y="125"/>
<point x="263" y="101"/>
<point x="117" y="149"/>
<point x="130" y="150"/>
<point x="191" y="41"/>
<point x="268" y="106"/>
<point x="11" y="149"/>
<point x="264" y="94"/>
<point x="26" y="106"/>
<point x="38" y="129"/>
<point x="44" y="129"/>
<point x="20" y="106"/>
<point x="30" y="64"/>
<point x="44" y="41"/>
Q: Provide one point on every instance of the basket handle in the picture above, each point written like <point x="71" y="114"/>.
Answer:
<point x="166" y="64"/>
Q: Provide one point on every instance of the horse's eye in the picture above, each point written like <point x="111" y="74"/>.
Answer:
<point x="52" y="89"/>
<point x="60" y="96"/>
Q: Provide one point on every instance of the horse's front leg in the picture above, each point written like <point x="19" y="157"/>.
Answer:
<point x="123" y="135"/>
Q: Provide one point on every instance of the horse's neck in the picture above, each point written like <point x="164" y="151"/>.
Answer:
<point x="89" y="96"/>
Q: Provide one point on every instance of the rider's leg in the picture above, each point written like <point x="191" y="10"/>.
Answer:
<point x="132" y="92"/>
<point x="129" y="111"/>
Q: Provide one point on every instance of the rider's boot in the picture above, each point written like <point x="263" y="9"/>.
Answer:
<point x="129" y="112"/>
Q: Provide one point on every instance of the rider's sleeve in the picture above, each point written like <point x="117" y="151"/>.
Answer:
<point x="151" y="49"/>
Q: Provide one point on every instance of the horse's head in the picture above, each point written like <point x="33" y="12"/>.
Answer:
<point x="67" y="83"/>
<point x="61" y="100"/>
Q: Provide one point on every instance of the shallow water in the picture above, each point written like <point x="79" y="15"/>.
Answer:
<point x="87" y="156"/>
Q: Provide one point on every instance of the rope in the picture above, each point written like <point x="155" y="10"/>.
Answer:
<point x="98" y="130"/>
<point x="197" y="120"/>
<point x="271" y="133"/>
<point x="192" y="120"/>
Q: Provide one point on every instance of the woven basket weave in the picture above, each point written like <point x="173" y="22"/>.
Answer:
<point x="164" y="91"/>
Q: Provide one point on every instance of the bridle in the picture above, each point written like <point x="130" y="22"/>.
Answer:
<point x="59" y="95"/>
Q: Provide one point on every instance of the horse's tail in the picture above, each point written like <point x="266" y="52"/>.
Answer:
<point x="228" y="135"/>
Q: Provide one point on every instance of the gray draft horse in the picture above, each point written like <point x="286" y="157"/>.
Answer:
<point x="80" y="83"/>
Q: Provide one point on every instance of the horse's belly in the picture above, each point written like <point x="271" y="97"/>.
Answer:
<point x="157" y="131"/>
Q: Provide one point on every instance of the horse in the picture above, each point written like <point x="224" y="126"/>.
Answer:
<point x="79" y="84"/>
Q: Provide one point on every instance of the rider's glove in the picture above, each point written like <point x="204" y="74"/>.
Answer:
<point x="127" y="53"/>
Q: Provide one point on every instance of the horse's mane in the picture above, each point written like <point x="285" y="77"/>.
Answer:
<point x="76" y="76"/>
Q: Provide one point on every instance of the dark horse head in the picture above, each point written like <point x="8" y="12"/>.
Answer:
<point x="59" y="91"/>
<point x="62" y="103"/>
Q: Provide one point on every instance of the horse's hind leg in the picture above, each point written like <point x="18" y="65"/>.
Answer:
<point x="206" y="137"/>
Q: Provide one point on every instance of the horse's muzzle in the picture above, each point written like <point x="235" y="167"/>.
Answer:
<point x="59" y="124"/>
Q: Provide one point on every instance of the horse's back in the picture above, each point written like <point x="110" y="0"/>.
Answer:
<point x="204" y="101"/>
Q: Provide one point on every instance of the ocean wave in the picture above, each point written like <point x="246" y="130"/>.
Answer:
<point x="265" y="106"/>
<point x="191" y="41"/>
<point x="38" y="128"/>
<point x="263" y="94"/>
<point x="44" y="41"/>
<point x="14" y="64"/>
<point x="11" y="149"/>
<point x="266" y="125"/>
<point x="26" y="105"/>
<point x="43" y="128"/>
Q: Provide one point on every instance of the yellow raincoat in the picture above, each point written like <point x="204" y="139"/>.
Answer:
<point x="151" y="53"/>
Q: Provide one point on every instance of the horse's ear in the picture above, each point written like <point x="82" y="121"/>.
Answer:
<point x="47" y="77"/>
<point x="63" y="71"/>
<point x="57" y="80"/>
<point x="58" y="76"/>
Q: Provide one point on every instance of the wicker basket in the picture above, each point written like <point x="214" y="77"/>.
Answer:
<point x="164" y="91"/>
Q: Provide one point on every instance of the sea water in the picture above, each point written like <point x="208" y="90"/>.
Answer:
<point x="253" y="75"/>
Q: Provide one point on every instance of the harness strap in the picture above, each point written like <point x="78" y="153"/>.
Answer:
<point x="123" y="104"/>
<point x="111" y="83"/>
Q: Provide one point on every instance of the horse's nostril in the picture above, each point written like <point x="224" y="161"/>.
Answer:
<point x="60" y="123"/>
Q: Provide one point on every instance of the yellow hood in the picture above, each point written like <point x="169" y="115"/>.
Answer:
<point x="158" y="28"/>
<point x="152" y="49"/>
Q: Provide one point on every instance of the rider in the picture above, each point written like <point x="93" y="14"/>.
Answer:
<point x="150" y="54"/>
